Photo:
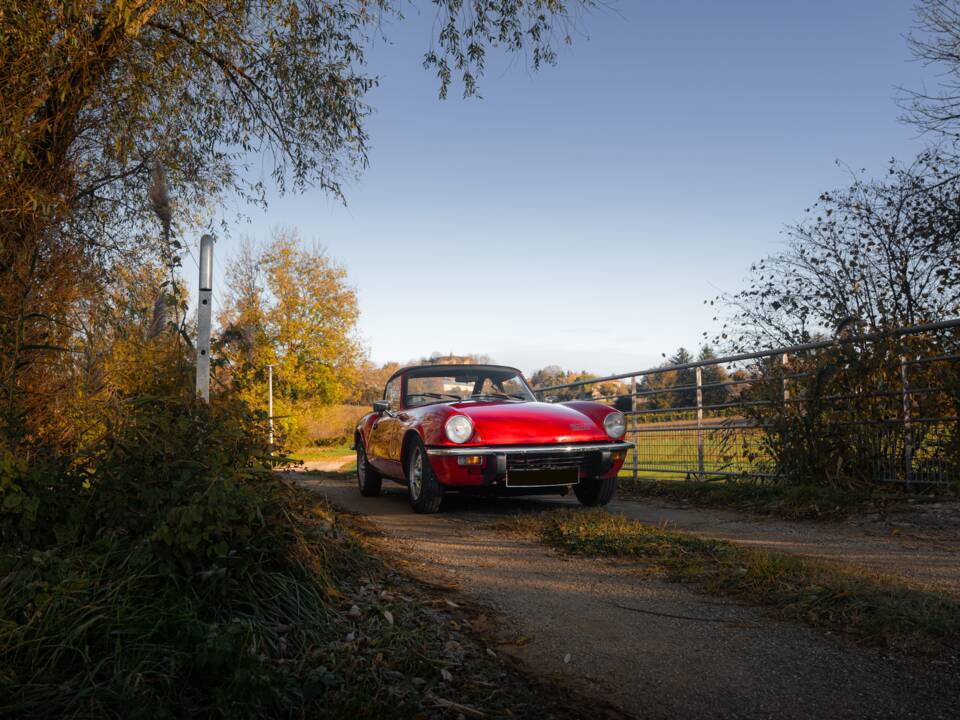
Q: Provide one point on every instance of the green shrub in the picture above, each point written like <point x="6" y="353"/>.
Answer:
<point x="163" y="573"/>
<point x="841" y="424"/>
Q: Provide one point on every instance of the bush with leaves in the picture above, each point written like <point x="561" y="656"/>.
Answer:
<point x="835" y="416"/>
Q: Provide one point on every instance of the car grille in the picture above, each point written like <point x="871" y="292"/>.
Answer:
<point x="545" y="461"/>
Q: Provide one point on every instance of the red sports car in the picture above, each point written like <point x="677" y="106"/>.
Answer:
<point x="479" y="428"/>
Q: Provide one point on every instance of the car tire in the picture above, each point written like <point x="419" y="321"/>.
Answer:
<point x="368" y="480"/>
<point x="594" y="492"/>
<point x="425" y="491"/>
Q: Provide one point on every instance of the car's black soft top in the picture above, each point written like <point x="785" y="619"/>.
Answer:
<point x="418" y="370"/>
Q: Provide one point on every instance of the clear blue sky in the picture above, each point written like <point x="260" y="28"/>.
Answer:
<point x="580" y="215"/>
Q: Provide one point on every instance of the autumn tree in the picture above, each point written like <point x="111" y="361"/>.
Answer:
<point x="97" y="94"/>
<point x="549" y="375"/>
<point x="290" y="306"/>
<point x="556" y="375"/>
<point x="370" y="381"/>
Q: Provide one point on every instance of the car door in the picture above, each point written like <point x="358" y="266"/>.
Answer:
<point x="383" y="449"/>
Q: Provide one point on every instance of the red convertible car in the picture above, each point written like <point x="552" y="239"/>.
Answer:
<point x="479" y="428"/>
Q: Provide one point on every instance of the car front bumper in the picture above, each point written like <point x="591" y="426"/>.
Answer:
<point x="597" y="459"/>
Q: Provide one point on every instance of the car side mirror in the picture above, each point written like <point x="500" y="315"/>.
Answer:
<point x="381" y="406"/>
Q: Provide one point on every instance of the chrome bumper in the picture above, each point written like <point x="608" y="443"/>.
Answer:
<point x="528" y="449"/>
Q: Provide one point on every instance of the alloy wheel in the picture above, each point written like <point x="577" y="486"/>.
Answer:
<point x="416" y="475"/>
<point x="361" y="466"/>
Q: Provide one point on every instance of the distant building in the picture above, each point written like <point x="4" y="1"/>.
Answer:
<point x="452" y="360"/>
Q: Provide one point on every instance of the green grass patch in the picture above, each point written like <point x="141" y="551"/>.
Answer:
<point x="325" y="452"/>
<point x="871" y="608"/>
<point x="668" y="450"/>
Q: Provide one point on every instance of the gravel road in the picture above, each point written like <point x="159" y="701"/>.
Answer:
<point x="655" y="648"/>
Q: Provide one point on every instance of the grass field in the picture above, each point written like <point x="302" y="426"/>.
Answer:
<point x="669" y="450"/>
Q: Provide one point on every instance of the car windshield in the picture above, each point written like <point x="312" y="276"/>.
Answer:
<point x="451" y="385"/>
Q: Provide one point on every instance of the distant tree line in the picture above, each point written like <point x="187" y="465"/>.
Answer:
<point x="668" y="388"/>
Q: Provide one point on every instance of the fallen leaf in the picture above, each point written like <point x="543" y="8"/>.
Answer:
<point x="389" y="616"/>
<point x="446" y="675"/>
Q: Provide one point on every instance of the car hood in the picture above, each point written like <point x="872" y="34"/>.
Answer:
<point x="508" y="423"/>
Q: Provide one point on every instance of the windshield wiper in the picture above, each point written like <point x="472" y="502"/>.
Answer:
<point x="439" y="396"/>
<point x="499" y="396"/>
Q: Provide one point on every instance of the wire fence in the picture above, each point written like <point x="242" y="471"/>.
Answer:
<point x="875" y="408"/>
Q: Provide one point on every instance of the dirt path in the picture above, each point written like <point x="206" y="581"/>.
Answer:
<point x="898" y="546"/>
<point x="655" y="648"/>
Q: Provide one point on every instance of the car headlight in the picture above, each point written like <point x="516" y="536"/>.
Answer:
<point x="459" y="428"/>
<point x="615" y="424"/>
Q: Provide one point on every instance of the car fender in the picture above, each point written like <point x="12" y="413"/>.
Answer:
<point x="362" y="432"/>
<point x="593" y="410"/>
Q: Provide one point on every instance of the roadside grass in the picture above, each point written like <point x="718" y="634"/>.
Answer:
<point x="793" y="502"/>
<point x="324" y="452"/>
<point x="874" y="609"/>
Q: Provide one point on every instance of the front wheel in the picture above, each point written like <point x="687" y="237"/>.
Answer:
<point x="594" y="492"/>
<point x="425" y="491"/>
<point x="368" y="479"/>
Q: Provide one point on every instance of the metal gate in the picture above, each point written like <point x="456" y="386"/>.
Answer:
<point x="885" y="404"/>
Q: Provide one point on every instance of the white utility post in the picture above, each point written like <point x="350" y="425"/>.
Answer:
<point x="270" y="399"/>
<point x="204" y="310"/>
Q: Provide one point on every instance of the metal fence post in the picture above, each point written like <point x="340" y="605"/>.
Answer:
<point x="636" y="426"/>
<point x="270" y="400"/>
<point x="907" y="426"/>
<point x="699" y="374"/>
<point x="204" y="310"/>
<point x="783" y="380"/>
<point x="784" y="399"/>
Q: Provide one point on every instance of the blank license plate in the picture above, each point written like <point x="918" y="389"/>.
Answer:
<point x="541" y="478"/>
